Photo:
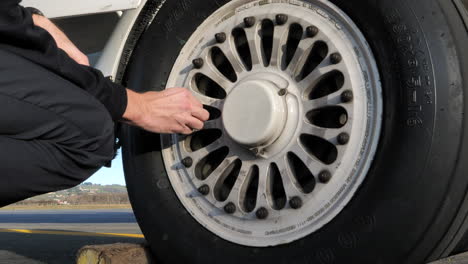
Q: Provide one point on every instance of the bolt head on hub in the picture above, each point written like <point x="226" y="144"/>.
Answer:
<point x="336" y="58"/>
<point x="220" y="37"/>
<point x="347" y="96"/>
<point x="187" y="162"/>
<point x="312" y="31"/>
<point x="198" y="63"/>
<point x="230" y="208"/>
<point x="295" y="202"/>
<point x="343" y="138"/>
<point x="249" y="22"/>
<point x="325" y="176"/>
<point x="262" y="213"/>
<point x="204" y="189"/>
<point x="282" y="92"/>
<point x="255" y="151"/>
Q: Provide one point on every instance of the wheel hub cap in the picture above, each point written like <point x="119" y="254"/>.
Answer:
<point x="254" y="113"/>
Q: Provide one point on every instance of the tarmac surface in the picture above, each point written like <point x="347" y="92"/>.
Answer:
<point x="50" y="237"/>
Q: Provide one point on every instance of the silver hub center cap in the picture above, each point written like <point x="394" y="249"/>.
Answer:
<point x="254" y="112"/>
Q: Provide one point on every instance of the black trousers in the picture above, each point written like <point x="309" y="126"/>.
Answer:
<point x="53" y="135"/>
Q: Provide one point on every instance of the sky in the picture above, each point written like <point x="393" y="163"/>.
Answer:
<point x="106" y="176"/>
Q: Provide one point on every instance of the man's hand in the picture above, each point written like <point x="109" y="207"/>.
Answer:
<point x="63" y="42"/>
<point x="174" y="110"/>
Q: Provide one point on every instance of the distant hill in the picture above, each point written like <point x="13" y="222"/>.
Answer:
<point x="86" y="193"/>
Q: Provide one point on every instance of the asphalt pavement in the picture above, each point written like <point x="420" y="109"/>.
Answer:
<point x="39" y="237"/>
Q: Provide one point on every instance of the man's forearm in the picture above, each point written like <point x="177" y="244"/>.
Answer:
<point x="63" y="42"/>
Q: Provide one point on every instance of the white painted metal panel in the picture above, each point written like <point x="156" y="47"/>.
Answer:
<point x="67" y="8"/>
<point x="112" y="53"/>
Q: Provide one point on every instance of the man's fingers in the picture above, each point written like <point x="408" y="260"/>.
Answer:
<point x="194" y="123"/>
<point x="201" y="114"/>
<point x="182" y="128"/>
<point x="188" y="123"/>
<point x="196" y="102"/>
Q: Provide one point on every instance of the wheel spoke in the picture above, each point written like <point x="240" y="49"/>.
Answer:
<point x="300" y="56"/>
<point x="329" y="134"/>
<point x="262" y="187"/>
<point x="315" y="76"/>
<point x="210" y="101"/>
<point x="312" y="163"/>
<point x="217" y="175"/>
<point x="198" y="155"/>
<point x="290" y="184"/>
<point x="255" y="46"/>
<point x="329" y="100"/>
<point x="239" y="189"/>
<point x="280" y="38"/>
<point x="213" y="124"/>
<point x="229" y="49"/>
<point x="214" y="74"/>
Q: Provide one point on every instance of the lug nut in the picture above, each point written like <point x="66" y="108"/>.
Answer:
<point x="249" y="22"/>
<point x="230" y="208"/>
<point x="325" y="176"/>
<point x="347" y="96"/>
<point x="187" y="162"/>
<point x="262" y="213"/>
<point x="343" y="138"/>
<point x="343" y="119"/>
<point x="204" y="189"/>
<point x="282" y="92"/>
<point x="220" y="37"/>
<point x="336" y="58"/>
<point x="198" y="63"/>
<point x="255" y="151"/>
<point x="312" y="31"/>
<point x="295" y="202"/>
<point x="281" y="19"/>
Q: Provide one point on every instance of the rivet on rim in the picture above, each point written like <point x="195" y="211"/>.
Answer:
<point x="220" y="37"/>
<point x="281" y="19"/>
<point x="343" y="138"/>
<point x="198" y="63"/>
<point x="347" y="96"/>
<point x="325" y="176"/>
<point x="295" y="202"/>
<point x="249" y="22"/>
<point x="262" y="213"/>
<point x="204" y="189"/>
<point x="336" y="58"/>
<point x="282" y="92"/>
<point x="312" y="31"/>
<point x="230" y="208"/>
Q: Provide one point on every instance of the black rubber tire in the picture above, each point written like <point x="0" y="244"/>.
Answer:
<point x="411" y="206"/>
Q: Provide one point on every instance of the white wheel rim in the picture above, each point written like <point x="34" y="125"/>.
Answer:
<point x="266" y="155"/>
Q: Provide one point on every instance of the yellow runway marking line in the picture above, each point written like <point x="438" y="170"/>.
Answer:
<point x="68" y="233"/>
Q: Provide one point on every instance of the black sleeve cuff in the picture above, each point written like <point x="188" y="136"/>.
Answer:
<point x="112" y="95"/>
<point x="117" y="101"/>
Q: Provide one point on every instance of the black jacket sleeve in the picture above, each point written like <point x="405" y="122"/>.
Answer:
<point x="19" y="35"/>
